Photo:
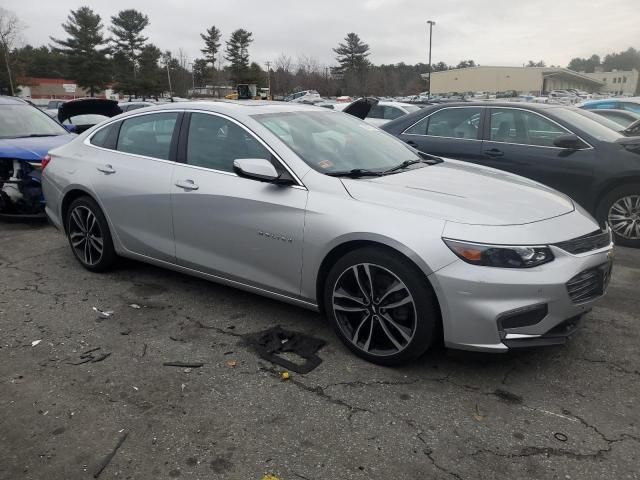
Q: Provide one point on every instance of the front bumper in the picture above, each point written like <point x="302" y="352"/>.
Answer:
<point x="475" y="300"/>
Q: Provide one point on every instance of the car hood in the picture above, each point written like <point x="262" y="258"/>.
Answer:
<point x="86" y="106"/>
<point x="463" y="193"/>
<point x="31" y="149"/>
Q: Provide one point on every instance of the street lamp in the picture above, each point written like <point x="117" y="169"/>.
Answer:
<point x="431" y="25"/>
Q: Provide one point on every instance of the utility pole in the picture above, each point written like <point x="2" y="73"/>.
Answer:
<point x="431" y="25"/>
<point x="169" y="78"/>
<point x="269" y="78"/>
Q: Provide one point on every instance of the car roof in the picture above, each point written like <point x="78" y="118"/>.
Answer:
<point x="528" y="105"/>
<point x="242" y="107"/>
<point x="6" y="100"/>
<point x="395" y="104"/>
<point x="607" y="100"/>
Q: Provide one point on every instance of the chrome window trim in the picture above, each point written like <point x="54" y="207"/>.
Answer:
<point x="590" y="147"/>
<point x="87" y="142"/>
<point x="438" y="136"/>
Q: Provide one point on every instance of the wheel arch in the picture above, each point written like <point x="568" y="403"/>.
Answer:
<point x="347" y="246"/>
<point x="68" y="198"/>
<point x="611" y="185"/>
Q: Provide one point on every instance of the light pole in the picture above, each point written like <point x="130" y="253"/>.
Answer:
<point x="431" y="25"/>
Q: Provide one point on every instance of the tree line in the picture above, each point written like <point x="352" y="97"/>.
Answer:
<point x="121" y="57"/>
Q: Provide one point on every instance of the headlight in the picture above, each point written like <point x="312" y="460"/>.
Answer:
<point x="500" y="256"/>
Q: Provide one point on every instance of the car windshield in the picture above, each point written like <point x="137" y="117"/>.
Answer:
<point x="332" y="142"/>
<point x="17" y="121"/>
<point x="595" y="125"/>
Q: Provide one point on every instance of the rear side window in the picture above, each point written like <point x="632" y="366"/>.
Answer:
<point x="148" y="135"/>
<point x="391" y="113"/>
<point x="632" y="107"/>
<point x="106" y="137"/>
<point x="215" y="142"/>
<point x="376" y="112"/>
<point x="523" y="127"/>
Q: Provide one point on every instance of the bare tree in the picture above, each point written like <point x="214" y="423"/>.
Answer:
<point x="10" y="28"/>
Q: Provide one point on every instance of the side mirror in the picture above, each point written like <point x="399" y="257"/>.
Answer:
<point x="70" y="128"/>
<point x="570" y="142"/>
<point x="256" y="169"/>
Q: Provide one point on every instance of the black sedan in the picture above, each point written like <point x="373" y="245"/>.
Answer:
<point x="563" y="147"/>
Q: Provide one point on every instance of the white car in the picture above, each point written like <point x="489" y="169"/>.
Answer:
<point x="306" y="96"/>
<point x="384" y="112"/>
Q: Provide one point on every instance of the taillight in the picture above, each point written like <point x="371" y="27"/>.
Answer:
<point x="45" y="161"/>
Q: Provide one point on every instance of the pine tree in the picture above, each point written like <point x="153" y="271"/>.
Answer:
<point x="212" y="44"/>
<point x="352" y="55"/>
<point x="128" y="40"/>
<point x="86" y="49"/>
<point x="237" y="53"/>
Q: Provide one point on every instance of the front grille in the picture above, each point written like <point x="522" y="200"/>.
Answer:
<point x="589" y="284"/>
<point x="592" y="241"/>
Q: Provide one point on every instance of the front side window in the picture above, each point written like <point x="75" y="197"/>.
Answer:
<point x="523" y="127"/>
<point x="331" y="142"/>
<point x="460" y="123"/>
<point x="148" y="135"/>
<point x="215" y="142"/>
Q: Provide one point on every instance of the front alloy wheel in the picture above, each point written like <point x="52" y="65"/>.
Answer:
<point x="374" y="309"/>
<point x="381" y="305"/>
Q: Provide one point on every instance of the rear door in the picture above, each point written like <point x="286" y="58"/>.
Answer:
<point x="522" y="142"/>
<point x="131" y="173"/>
<point x="452" y="132"/>
<point x="233" y="227"/>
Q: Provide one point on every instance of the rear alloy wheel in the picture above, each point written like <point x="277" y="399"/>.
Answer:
<point x="380" y="306"/>
<point x="88" y="235"/>
<point x="621" y="210"/>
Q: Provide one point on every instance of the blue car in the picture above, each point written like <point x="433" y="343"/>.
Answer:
<point x="631" y="104"/>
<point x="26" y="135"/>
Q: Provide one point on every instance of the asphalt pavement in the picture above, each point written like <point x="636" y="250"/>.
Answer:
<point x="74" y="384"/>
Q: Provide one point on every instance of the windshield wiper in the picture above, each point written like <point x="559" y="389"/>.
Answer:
<point x="355" y="173"/>
<point x="426" y="159"/>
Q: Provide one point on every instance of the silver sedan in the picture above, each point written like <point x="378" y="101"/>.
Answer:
<point x="397" y="248"/>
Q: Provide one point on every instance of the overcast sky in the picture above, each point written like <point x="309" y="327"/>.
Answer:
<point x="491" y="32"/>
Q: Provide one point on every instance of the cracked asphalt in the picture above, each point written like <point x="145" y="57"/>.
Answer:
<point x="570" y="412"/>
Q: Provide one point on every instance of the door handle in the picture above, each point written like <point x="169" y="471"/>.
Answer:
<point x="108" y="169"/>
<point x="494" y="152"/>
<point x="187" y="185"/>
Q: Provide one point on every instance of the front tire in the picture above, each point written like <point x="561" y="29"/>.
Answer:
<point x="620" y="208"/>
<point x="89" y="236"/>
<point x="381" y="306"/>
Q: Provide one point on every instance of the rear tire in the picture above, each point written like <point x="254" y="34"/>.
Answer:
<point x="392" y="325"/>
<point x="89" y="236"/>
<point x="620" y="208"/>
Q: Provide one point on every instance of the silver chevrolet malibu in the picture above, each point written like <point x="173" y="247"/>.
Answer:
<point x="399" y="249"/>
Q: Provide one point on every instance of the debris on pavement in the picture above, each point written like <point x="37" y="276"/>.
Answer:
<point x="284" y="375"/>
<point x="477" y="415"/>
<point x="92" y="356"/>
<point x="35" y="342"/>
<point x="270" y="477"/>
<point x="135" y="305"/>
<point x="109" y="457"/>
<point x="561" y="437"/>
<point x="183" y="364"/>
<point x="271" y="344"/>
<point x="103" y="313"/>
<point x="231" y="363"/>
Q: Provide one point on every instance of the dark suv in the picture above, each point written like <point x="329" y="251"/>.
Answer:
<point x="569" y="149"/>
